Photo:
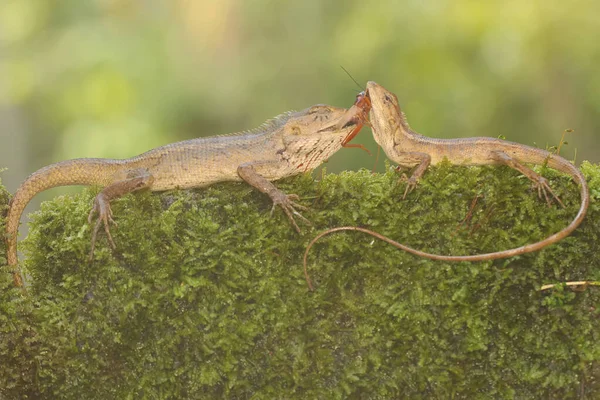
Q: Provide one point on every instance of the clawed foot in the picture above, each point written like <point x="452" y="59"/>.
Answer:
<point x="542" y="186"/>
<point x="102" y="208"/>
<point x="289" y="205"/>
<point x="411" y="184"/>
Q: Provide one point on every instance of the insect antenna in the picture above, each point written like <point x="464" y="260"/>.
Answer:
<point x="351" y="77"/>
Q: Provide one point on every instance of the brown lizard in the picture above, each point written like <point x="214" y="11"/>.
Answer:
<point x="409" y="149"/>
<point x="289" y="144"/>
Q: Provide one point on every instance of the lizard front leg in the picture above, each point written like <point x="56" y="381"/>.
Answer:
<point x="139" y="180"/>
<point x="248" y="173"/>
<point x="409" y="160"/>
<point x="539" y="182"/>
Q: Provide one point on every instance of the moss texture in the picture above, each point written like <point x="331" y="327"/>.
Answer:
<point x="205" y="296"/>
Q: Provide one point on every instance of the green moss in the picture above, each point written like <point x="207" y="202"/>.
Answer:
<point x="18" y="343"/>
<point x="205" y="296"/>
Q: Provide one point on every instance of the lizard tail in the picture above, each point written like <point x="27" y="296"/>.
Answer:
<point x="555" y="162"/>
<point x="83" y="171"/>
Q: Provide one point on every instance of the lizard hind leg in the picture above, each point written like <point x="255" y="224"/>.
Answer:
<point x="539" y="182"/>
<point x="102" y="208"/>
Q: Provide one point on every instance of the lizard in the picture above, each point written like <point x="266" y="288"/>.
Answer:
<point x="289" y="144"/>
<point x="409" y="149"/>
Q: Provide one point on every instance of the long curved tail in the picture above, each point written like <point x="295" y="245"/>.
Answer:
<point x="82" y="171"/>
<point x="555" y="162"/>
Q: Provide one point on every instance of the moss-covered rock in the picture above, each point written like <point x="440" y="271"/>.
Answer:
<point x="205" y="296"/>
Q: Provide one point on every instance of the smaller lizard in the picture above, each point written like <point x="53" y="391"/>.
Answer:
<point x="292" y="143"/>
<point x="409" y="149"/>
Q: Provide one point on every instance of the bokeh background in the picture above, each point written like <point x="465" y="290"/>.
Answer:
<point x="114" y="78"/>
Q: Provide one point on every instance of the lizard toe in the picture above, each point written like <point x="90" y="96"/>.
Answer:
<point x="543" y="187"/>
<point x="411" y="184"/>
<point x="289" y="206"/>
<point x="296" y="213"/>
<point x="103" y="212"/>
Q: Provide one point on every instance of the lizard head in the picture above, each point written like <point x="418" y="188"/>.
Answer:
<point x="316" y="122"/>
<point x="312" y="135"/>
<point x="319" y="118"/>
<point x="386" y="117"/>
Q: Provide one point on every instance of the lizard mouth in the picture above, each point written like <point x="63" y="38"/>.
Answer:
<point x="335" y="127"/>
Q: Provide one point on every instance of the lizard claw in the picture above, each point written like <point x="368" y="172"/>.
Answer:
<point x="411" y="184"/>
<point x="288" y="205"/>
<point x="542" y="186"/>
<point x="293" y="198"/>
<point x="102" y="208"/>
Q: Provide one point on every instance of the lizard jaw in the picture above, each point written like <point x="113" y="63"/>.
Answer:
<point x="335" y="127"/>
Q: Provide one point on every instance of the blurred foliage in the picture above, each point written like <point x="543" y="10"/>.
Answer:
<point x="113" y="78"/>
<point x="205" y="296"/>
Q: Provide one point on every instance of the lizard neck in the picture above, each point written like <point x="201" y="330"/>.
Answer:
<point x="401" y="131"/>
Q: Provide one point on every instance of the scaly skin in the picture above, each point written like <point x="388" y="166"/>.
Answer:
<point x="409" y="149"/>
<point x="287" y="145"/>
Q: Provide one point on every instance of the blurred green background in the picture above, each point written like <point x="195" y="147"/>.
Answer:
<point x="114" y="78"/>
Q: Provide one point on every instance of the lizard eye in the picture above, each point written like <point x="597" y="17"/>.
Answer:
<point x="392" y="98"/>
<point x="296" y="130"/>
